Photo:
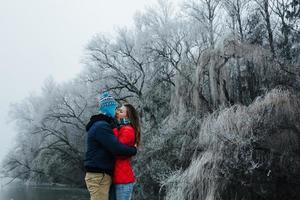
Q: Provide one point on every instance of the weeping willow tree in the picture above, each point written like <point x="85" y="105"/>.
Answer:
<point x="246" y="152"/>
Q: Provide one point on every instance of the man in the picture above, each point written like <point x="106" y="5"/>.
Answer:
<point x="101" y="148"/>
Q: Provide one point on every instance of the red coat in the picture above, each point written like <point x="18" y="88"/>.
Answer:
<point x="123" y="172"/>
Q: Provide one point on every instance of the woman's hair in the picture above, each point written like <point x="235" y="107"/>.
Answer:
<point x="135" y="122"/>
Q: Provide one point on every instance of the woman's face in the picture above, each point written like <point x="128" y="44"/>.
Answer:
<point x="121" y="112"/>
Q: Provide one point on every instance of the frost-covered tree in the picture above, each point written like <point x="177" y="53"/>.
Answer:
<point x="244" y="153"/>
<point x="236" y="9"/>
<point x="51" y="135"/>
<point x="265" y="10"/>
<point x="202" y="76"/>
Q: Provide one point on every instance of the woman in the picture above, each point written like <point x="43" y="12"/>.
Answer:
<point x="129" y="134"/>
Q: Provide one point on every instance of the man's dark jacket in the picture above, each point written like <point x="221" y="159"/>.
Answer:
<point x="102" y="146"/>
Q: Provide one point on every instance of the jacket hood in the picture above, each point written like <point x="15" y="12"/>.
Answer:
<point x="99" y="117"/>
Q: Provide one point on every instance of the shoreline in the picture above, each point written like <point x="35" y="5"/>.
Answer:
<point x="5" y="182"/>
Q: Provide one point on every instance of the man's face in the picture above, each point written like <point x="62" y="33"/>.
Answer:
<point x="121" y="112"/>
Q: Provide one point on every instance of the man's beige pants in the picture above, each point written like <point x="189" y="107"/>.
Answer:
<point x="98" y="185"/>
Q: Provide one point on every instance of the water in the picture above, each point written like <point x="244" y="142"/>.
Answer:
<point x="42" y="193"/>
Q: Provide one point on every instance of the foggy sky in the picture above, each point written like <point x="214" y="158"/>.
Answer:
<point x="42" y="38"/>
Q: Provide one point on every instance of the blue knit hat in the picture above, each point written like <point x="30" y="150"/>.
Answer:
<point x="107" y="105"/>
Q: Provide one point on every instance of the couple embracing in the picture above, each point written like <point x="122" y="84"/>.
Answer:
<point x="112" y="138"/>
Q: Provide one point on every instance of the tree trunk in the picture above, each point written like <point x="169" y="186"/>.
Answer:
<point x="268" y="24"/>
<point x="239" y="20"/>
<point x="213" y="82"/>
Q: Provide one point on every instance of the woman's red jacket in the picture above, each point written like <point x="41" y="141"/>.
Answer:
<point x="123" y="172"/>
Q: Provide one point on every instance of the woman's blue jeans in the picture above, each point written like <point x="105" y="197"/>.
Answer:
<point x="122" y="191"/>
